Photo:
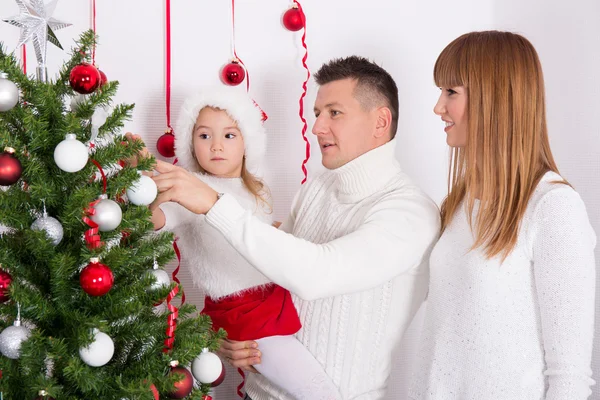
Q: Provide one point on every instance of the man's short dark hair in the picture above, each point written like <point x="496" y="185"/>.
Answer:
<point x="375" y="86"/>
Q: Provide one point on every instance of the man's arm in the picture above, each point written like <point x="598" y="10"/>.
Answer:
<point x="395" y="236"/>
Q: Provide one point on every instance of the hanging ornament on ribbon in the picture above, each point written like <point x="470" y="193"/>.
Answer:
<point x="71" y="155"/>
<point x="96" y="279"/>
<point x="233" y="73"/>
<point x="5" y="281"/>
<point x="293" y="19"/>
<point x="13" y="337"/>
<point x="183" y="387"/>
<point x="9" y="93"/>
<point x="10" y="167"/>
<point x="100" y="351"/>
<point x="160" y="275"/>
<point x="50" y="225"/>
<point x="166" y="144"/>
<point x="37" y="24"/>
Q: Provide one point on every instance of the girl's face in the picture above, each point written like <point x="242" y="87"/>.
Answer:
<point x="218" y="143"/>
<point x="452" y="106"/>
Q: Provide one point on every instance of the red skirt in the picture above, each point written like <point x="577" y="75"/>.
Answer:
<point x="254" y="313"/>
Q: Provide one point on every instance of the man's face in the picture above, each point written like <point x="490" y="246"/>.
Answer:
<point x="344" y="129"/>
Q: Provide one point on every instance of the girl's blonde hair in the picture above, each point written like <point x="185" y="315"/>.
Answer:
<point x="507" y="150"/>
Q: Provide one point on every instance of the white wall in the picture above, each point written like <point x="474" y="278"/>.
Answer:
<point x="404" y="37"/>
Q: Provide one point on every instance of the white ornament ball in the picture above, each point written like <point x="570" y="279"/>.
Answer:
<point x="162" y="278"/>
<point x="143" y="191"/>
<point x="99" y="352"/>
<point x="51" y="226"/>
<point x="9" y="93"/>
<point x="71" y="155"/>
<point x="11" y="339"/>
<point x="207" y="367"/>
<point x="108" y="215"/>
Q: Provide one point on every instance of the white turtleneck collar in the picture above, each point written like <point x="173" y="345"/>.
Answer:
<point x="367" y="173"/>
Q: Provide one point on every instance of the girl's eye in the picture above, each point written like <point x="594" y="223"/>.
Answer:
<point x="203" y="136"/>
<point x="451" y="91"/>
<point x="230" y="136"/>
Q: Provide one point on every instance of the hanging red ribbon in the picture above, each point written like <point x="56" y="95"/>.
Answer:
<point x="304" y="90"/>
<point x="94" y="28"/>
<point x="24" y="59"/>
<point x="173" y="311"/>
<point x="241" y="385"/>
<point x="168" y="66"/>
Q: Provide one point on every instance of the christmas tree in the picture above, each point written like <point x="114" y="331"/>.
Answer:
<point x="78" y="279"/>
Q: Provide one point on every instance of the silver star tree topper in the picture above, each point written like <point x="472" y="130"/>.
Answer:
<point x="36" y="23"/>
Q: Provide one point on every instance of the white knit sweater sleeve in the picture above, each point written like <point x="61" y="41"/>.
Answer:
<point x="563" y="244"/>
<point x="394" y="238"/>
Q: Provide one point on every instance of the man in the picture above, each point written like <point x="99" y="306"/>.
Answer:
<point x="354" y="249"/>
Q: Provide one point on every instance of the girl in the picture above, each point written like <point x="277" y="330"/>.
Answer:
<point x="510" y="313"/>
<point x="220" y="136"/>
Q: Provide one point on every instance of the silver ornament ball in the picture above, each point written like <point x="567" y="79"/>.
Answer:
<point x="9" y="93"/>
<point x="51" y="226"/>
<point x="162" y="278"/>
<point x="108" y="215"/>
<point x="11" y="339"/>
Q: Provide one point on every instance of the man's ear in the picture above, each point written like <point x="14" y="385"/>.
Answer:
<point x="384" y="122"/>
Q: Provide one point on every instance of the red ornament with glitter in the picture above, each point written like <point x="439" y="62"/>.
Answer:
<point x="10" y="167"/>
<point x="5" y="281"/>
<point x="96" y="279"/>
<point x="293" y="19"/>
<point x="233" y="73"/>
<point x="84" y="78"/>
<point x="166" y="144"/>
<point x="183" y="387"/>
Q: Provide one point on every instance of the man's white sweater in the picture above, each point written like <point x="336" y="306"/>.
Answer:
<point x="354" y="252"/>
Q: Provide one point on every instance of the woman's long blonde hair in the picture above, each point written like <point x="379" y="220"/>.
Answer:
<point x="507" y="150"/>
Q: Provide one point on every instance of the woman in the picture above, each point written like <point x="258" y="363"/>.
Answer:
<point x="510" y="313"/>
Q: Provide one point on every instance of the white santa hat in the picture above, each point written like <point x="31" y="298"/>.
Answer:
<point x="240" y="107"/>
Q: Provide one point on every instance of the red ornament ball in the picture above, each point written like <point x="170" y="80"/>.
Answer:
<point x="233" y="74"/>
<point x="166" y="145"/>
<point x="5" y="281"/>
<point x="293" y="19"/>
<point x="96" y="279"/>
<point x="183" y="387"/>
<point x="84" y="78"/>
<point x="10" y="167"/>
<point x="221" y="377"/>
<point x="103" y="78"/>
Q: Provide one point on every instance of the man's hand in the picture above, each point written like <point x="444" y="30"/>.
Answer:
<point x="180" y="186"/>
<point x="240" y="354"/>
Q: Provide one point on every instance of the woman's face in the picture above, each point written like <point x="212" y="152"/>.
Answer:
<point x="452" y="107"/>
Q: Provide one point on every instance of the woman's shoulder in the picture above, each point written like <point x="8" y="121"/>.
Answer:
<point x="553" y="191"/>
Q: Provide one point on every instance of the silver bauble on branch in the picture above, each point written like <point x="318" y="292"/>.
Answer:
<point x="51" y="226"/>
